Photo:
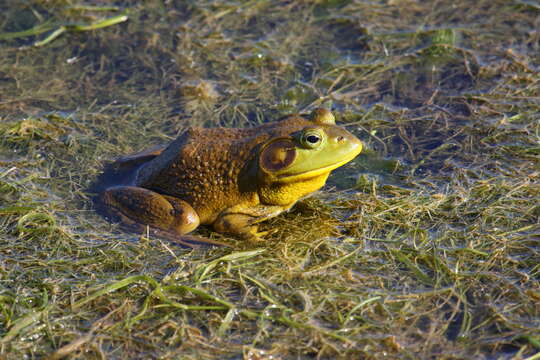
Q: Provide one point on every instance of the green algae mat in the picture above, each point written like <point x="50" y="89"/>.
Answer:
<point x="426" y="246"/>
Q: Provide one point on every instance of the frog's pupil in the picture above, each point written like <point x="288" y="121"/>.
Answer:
<point x="312" y="139"/>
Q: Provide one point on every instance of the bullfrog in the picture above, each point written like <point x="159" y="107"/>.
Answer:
<point x="230" y="178"/>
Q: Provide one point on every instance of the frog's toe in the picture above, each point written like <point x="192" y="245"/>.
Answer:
<point x="254" y="235"/>
<point x="190" y="241"/>
<point x="266" y="233"/>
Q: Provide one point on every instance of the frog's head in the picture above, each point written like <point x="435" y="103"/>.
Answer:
<point x="318" y="148"/>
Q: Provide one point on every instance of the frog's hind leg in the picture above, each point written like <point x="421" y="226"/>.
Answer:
<point x="124" y="169"/>
<point x="141" y="157"/>
<point x="138" y="207"/>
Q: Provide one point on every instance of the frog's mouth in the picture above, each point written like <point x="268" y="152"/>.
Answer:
<point x="290" y="178"/>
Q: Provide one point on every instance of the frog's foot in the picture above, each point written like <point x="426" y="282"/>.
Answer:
<point x="242" y="220"/>
<point x="166" y="216"/>
<point x="261" y="234"/>
<point x="241" y="225"/>
<point x="253" y="235"/>
<point x="191" y="241"/>
<point x="257" y="236"/>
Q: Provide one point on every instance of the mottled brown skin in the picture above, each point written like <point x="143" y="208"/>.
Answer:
<point x="230" y="178"/>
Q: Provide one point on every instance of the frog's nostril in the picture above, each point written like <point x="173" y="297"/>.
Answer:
<point x="340" y="139"/>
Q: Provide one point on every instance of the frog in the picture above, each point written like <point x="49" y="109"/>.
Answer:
<point x="230" y="178"/>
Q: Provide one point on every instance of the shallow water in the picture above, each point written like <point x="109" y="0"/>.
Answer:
<point x="423" y="247"/>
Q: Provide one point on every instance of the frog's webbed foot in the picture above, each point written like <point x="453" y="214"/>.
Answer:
<point x="243" y="225"/>
<point x="190" y="241"/>
<point x="253" y="234"/>
<point x="239" y="225"/>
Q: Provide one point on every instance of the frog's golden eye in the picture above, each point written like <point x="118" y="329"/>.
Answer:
<point x="312" y="138"/>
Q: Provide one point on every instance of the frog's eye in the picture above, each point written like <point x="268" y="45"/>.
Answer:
<point x="312" y="138"/>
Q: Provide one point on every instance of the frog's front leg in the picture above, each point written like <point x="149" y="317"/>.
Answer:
<point x="242" y="222"/>
<point x="138" y="207"/>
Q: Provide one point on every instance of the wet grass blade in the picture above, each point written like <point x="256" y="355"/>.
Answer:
<point x="404" y="259"/>
<point x="79" y="28"/>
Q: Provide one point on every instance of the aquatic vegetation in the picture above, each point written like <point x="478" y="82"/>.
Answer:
<point x="426" y="246"/>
